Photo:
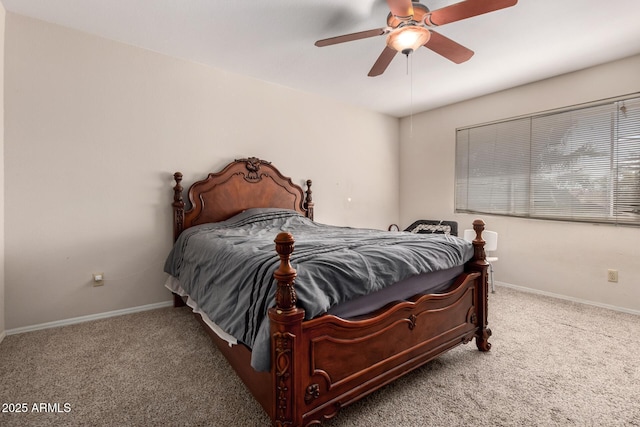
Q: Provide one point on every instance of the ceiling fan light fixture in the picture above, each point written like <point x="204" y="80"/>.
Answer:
<point x="408" y="38"/>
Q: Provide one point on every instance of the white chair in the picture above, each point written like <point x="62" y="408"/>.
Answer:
<point x="490" y="245"/>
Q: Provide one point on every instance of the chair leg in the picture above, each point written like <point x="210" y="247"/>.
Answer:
<point x="493" y="286"/>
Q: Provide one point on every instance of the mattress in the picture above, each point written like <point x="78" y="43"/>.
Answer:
<point x="426" y="283"/>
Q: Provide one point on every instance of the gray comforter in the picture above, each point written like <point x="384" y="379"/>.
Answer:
<point x="227" y="267"/>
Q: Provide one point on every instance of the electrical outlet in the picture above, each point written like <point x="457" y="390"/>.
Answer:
<point x="98" y="279"/>
<point x="612" y="275"/>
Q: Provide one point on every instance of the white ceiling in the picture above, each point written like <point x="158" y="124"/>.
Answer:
<point x="273" y="40"/>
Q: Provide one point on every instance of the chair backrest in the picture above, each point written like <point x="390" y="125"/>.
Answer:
<point x="490" y="239"/>
<point x="428" y="226"/>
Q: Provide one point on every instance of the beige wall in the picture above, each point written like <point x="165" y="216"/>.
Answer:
<point x="2" y="304"/>
<point x="564" y="258"/>
<point x="95" y="130"/>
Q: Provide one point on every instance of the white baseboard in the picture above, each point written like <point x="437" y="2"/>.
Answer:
<point x="87" y="318"/>
<point x="568" y="298"/>
<point x="2" y="335"/>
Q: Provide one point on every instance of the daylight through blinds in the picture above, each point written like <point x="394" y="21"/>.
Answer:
<point x="580" y="164"/>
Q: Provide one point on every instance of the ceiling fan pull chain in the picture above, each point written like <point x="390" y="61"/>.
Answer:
<point x="410" y="98"/>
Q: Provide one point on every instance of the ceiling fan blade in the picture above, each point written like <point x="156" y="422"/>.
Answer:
<point x="351" y="37"/>
<point x="464" y="10"/>
<point x="448" y="48"/>
<point x="382" y="62"/>
<point x="401" y="8"/>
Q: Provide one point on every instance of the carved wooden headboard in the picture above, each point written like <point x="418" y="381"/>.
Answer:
<point x="242" y="184"/>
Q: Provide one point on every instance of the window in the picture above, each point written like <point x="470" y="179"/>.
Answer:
<point x="579" y="164"/>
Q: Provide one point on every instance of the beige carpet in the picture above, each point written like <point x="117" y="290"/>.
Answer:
<point x="553" y="363"/>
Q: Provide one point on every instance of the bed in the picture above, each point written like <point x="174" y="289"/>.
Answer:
<point x="315" y="350"/>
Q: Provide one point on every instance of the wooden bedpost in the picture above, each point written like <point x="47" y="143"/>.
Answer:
<point x="178" y="206"/>
<point x="285" y="274"/>
<point x="178" y="222"/>
<point x="308" y="202"/>
<point x="480" y="264"/>
<point x="286" y="330"/>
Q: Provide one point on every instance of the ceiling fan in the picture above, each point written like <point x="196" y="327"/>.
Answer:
<point x="407" y="30"/>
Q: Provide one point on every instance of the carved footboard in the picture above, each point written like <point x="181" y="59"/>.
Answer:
<point x="326" y="363"/>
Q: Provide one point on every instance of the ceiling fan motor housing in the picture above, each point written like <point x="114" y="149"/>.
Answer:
<point x="420" y="11"/>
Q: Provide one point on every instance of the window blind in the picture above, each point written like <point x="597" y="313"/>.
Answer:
<point x="580" y="164"/>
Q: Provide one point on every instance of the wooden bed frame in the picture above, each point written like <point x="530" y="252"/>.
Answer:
<point x="323" y="364"/>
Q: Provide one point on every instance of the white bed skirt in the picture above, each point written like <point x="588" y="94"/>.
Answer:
<point x="174" y="286"/>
